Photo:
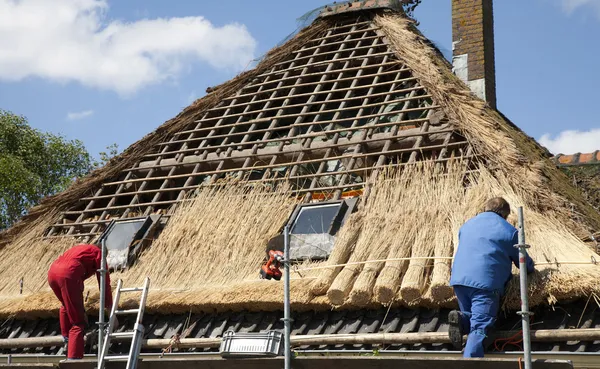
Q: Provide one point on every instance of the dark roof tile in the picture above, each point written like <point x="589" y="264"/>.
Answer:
<point x="327" y="322"/>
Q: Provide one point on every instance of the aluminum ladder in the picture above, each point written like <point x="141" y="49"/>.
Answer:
<point x="138" y="329"/>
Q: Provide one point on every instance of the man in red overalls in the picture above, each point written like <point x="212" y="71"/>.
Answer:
<point x="66" y="276"/>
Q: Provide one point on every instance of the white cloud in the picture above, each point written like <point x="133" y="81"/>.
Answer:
<point x="571" y="142"/>
<point x="79" y="115"/>
<point x="74" y="40"/>
<point x="571" y="5"/>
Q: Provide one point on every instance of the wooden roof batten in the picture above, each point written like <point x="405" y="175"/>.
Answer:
<point x="344" y="96"/>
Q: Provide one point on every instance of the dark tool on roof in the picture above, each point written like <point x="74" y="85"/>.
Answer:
<point x="272" y="268"/>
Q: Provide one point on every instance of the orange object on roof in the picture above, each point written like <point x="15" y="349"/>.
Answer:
<point x="329" y="195"/>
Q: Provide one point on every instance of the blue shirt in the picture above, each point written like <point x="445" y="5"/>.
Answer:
<point x="485" y="253"/>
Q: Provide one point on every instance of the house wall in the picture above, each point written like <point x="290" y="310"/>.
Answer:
<point x="473" y="46"/>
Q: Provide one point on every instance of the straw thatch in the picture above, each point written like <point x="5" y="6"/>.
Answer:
<point x="208" y="256"/>
<point x="343" y="248"/>
<point x="503" y="145"/>
<point x="216" y="239"/>
<point x="28" y="258"/>
<point x="586" y="177"/>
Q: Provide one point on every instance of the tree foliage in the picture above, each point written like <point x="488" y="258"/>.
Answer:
<point x="409" y="7"/>
<point x="112" y="150"/>
<point x="34" y="165"/>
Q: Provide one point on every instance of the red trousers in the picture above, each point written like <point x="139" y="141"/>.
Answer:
<point x="65" y="279"/>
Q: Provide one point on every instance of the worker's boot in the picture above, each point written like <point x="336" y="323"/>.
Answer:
<point x="455" y="331"/>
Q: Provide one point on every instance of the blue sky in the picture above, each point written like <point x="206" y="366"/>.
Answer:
<point x="112" y="71"/>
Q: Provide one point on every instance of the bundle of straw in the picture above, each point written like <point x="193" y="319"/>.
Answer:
<point x="451" y="198"/>
<point x="390" y="277"/>
<point x="386" y="200"/>
<point x="379" y="229"/>
<point x="394" y="195"/>
<point x="431" y="218"/>
<point x="341" y="286"/>
<point x="363" y="287"/>
<point x="440" y="277"/>
<point x="343" y="248"/>
<point x="414" y="282"/>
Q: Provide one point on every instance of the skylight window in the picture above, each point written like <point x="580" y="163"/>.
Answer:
<point x="315" y="219"/>
<point x="120" y="236"/>
<point x="313" y="228"/>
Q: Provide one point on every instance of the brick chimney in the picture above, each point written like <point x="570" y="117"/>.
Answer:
<point x="473" y="46"/>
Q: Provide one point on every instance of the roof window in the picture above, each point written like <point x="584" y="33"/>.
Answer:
<point x="313" y="228"/>
<point x="123" y="240"/>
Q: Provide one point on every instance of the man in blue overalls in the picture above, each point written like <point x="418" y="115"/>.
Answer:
<point x="481" y="269"/>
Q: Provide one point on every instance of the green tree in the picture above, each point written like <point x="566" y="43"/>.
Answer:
<point x="33" y="165"/>
<point x="112" y="150"/>
<point x="410" y="6"/>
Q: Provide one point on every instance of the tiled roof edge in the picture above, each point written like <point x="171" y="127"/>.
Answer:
<point x="592" y="158"/>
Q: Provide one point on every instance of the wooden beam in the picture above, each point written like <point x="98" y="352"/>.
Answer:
<point x="365" y="133"/>
<point x="320" y="74"/>
<point x="309" y="135"/>
<point x="273" y="121"/>
<point x="401" y="91"/>
<point x="264" y="120"/>
<point x="362" y="38"/>
<point x="541" y="335"/>
<point x="322" y="64"/>
<point x="349" y="69"/>
<point x="377" y="44"/>
<point x="332" y="188"/>
<point x="405" y="134"/>
<point x="370" y="26"/>
<point x="338" y="111"/>
<point x="292" y="177"/>
<point x="306" y="145"/>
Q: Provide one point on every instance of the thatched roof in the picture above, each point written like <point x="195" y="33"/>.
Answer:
<point x="365" y="90"/>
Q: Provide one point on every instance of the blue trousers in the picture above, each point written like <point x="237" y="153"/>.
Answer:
<point x="479" y="310"/>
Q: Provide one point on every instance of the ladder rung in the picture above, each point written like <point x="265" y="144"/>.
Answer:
<point x="116" y="357"/>
<point x="122" y="334"/>
<point x="132" y="289"/>
<point x="128" y="311"/>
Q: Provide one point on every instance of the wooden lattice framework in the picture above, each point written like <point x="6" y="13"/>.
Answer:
<point x="325" y="119"/>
